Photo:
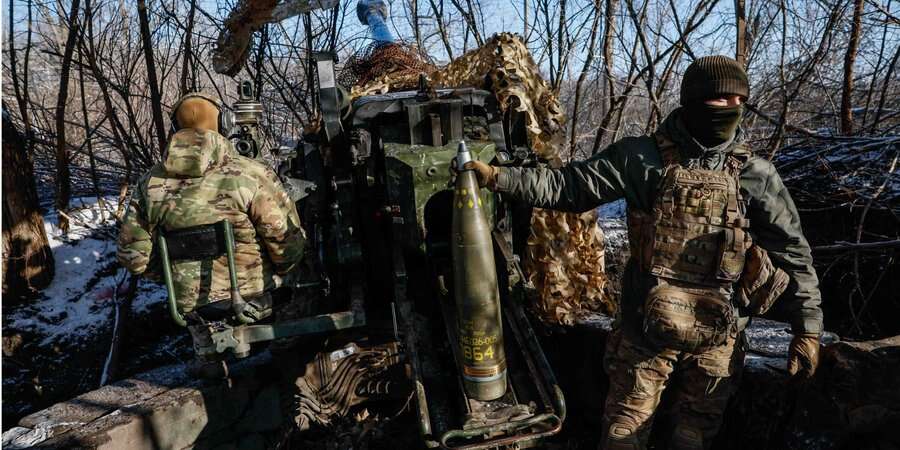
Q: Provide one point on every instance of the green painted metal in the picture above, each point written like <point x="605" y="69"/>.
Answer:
<point x="170" y="286"/>
<point x="223" y="337"/>
<point x="424" y="171"/>
<point x="552" y="421"/>
<point x="237" y="302"/>
<point x="307" y="325"/>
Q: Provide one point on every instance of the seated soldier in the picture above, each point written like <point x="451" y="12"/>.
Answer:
<point x="202" y="181"/>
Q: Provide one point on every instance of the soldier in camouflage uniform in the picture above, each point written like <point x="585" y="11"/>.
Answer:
<point x="203" y="180"/>
<point x="749" y="245"/>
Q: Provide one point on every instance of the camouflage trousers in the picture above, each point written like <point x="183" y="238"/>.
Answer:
<point x="699" y="385"/>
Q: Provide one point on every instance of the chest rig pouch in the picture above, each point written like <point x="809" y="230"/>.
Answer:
<point x="694" y="243"/>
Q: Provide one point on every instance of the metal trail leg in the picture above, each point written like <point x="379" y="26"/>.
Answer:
<point x="170" y="286"/>
<point x="237" y="302"/>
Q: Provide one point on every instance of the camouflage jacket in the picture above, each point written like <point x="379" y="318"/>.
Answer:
<point x="631" y="169"/>
<point x="202" y="181"/>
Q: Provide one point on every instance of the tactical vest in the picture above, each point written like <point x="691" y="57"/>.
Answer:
<point x="694" y="243"/>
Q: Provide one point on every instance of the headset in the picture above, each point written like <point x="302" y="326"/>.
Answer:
<point x="225" y="117"/>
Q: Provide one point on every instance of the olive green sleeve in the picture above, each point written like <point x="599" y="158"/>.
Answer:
<point x="775" y="226"/>
<point x="576" y="187"/>
<point x="277" y="223"/>
<point x="135" y="242"/>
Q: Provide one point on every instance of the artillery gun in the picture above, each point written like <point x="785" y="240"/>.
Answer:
<point x="377" y="195"/>
<point x="405" y="254"/>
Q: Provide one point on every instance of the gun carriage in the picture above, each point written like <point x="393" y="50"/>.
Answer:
<point x="377" y="196"/>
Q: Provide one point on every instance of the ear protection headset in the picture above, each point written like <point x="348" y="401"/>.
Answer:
<point x="225" y="118"/>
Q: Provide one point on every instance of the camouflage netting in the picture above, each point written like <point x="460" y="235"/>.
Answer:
<point x="564" y="258"/>
<point x="384" y="67"/>
<point x="505" y="67"/>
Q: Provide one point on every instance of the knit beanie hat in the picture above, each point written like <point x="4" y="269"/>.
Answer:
<point x="713" y="76"/>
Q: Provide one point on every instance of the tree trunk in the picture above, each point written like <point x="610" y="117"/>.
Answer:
<point x="884" y="89"/>
<point x="442" y="28"/>
<point x="63" y="178"/>
<point x="95" y="180"/>
<point x="260" y="59"/>
<point x="21" y="93"/>
<point x="155" y="94"/>
<point x="525" y="21"/>
<point x="582" y="76"/>
<point x="609" y="29"/>
<point x="740" y="18"/>
<point x="849" y="60"/>
<point x="118" y="130"/>
<point x="414" y="12"/>
<point x="27" y="259"/>
<point x="187" y="62"/>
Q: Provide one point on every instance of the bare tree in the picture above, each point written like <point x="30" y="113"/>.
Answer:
<point x="469" y="14"/>
<point x="27" y="259"/>
<point x="21" y="89"/>
<point x="849" y="60"/>
<point x="609" y="29"/>
<point x="438" y="12"/>
<point x="95" y="182"/>
<point x="188" y="54"/>
<point x="63" y="175"/>
<point x="740" y="46"/>
<point x="803" y="76"/>
<point x="588" y="61"/>
<point x="155" y="95"/>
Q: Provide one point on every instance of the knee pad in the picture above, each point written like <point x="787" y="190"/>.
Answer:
<point x="621" y="436"/>
<point x="687" y="437"/>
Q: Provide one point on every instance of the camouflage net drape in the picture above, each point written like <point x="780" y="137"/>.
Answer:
<point x="384" y="67"/>
<point x="564" y="258"/>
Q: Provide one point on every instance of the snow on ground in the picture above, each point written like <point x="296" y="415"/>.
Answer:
<point x="615" y="232"/>
<point x="612" y="210"/>
<point x="149" y="294"/>
<point x="611" y="218"/>
<point x="80" y="300"/>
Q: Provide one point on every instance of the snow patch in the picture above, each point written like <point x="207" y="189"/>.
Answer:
<point x="149" y="293"/>
<point x="79" y="302"/>
<point x="613" y="210"/>
<point x="615" y="233"/>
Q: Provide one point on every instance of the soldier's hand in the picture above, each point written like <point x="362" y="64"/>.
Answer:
<point x="485" y="173"/>
<point x="803" y="355"/>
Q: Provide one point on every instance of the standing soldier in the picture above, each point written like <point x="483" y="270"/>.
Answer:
<point x="715" y="238"/>
<point x="203" y="181"/>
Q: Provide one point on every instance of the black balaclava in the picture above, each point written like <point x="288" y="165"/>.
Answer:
<point x="711" y="125"/>
<point x="707" y="78"/>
